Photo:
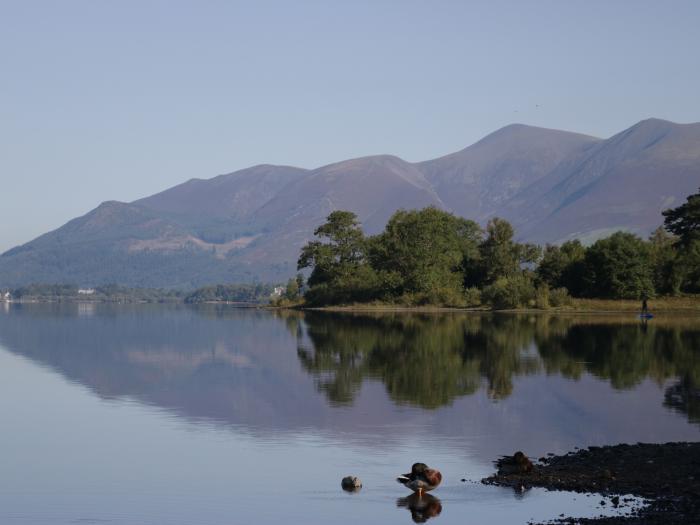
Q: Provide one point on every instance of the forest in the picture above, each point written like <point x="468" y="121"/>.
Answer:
<point x="432" y="257"/>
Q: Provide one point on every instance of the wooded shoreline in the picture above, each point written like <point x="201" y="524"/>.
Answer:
<point x="663" y="304"/>
<point x="686" y="305"/>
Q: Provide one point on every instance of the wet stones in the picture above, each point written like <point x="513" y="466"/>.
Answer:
<point x="351" y="483"/>
<point x="664" y="474"/>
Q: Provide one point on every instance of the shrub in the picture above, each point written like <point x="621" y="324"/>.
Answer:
<point x="559" y="297"/>
<point x="510" y="292"/>
<point x="443" y="296"/>
<point x="472" y="297"/>
<point x="542" y="297"/>
<point x="446" y="296"/>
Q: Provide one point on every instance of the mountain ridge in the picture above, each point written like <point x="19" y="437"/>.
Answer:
<point x="249" y="224"/>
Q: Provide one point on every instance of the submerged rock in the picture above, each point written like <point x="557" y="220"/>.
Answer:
<point x="351" y="483"/>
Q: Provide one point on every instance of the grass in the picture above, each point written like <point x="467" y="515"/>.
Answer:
<point x="659" y="304"/>
<point x="688" y="303"/>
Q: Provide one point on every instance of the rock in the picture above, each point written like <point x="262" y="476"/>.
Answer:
<point x="351" y="483"/>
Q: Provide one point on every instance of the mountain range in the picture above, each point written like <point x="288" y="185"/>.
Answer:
<point x="249" y="225"/>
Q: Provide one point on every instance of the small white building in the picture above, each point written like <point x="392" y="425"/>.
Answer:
<point x="86" y="291"/>
<point x="278" y="291"/>
<point x="5" y="296"/>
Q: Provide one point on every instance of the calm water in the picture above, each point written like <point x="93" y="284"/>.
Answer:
<point x="171" y="414"/>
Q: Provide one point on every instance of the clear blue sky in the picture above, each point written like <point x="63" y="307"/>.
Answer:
<point x="117" y="100"/>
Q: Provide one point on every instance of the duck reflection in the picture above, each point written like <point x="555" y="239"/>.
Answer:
<point x="422" y="508"/>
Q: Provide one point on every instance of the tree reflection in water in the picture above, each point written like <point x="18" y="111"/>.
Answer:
<point x="430" y="360"/>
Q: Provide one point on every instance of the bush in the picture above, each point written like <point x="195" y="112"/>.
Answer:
<point x="443" y="296"/>
<point x="446" y="296"/>
<point x="559" y="297"/>
<point x="510" y="292"/>
<point x="472" y="297"/>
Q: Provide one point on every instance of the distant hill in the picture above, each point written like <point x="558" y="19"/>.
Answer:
<point x="248" y="225"/>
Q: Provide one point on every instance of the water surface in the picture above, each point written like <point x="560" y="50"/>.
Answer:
<point x="210" y="415"/>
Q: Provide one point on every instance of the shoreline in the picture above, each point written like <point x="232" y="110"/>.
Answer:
<point x="381" y="309"/>
<point x="686" y="305"/>
<point x="667" y="475"/>
<point x="679" y="305"/>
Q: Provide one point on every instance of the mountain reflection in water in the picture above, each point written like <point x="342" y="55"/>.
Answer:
<point x="265" y="370"/>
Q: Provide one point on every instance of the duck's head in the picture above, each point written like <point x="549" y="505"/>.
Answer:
<point x="419" y="468"/>
<point x="519" y="457"/>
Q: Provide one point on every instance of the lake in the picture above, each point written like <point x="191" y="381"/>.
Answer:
<point x="151" y="414"/>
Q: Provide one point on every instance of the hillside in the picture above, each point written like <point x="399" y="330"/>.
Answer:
<point x="624" y="182"/>
<point x="247" y="225"/>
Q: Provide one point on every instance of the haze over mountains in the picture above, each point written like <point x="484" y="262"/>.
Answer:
<point x="249" y="225"/>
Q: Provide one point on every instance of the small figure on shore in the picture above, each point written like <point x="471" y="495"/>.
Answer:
<point x="645" y="306"/>
<point x="351" y="483"/>
<point x="518" y="463"/>
<point x="421" y="478"/>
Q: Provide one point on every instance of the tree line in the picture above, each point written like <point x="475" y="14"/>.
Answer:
<point x="239" y="293"/>
<point x="232" y="293"/>
<point x="431" y="256"/>
<point x="104" y="293"/>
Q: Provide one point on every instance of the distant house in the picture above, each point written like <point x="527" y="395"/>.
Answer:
<point x="86" y="291"/>
<point x="5" y="296"/>
<point x="278" y="291"/>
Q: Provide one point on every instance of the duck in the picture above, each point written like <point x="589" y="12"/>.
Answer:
<point x="518" y="463"/>
<point x="421" y="479"/>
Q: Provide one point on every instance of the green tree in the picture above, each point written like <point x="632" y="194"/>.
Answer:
<point x="340" y="253"/>
<point x="291" y="292"/>
<point x="340" y="270"/>
<point x="562" y="267"/>
<point x="424" y="252"/>
<point x="688" y="267"/>
<point x="666" y="270"/>
<point x="500" y="255"/>
<point x="300" y="281"/>
<point x="684" y="221"/>
<point x="618" y="267"/>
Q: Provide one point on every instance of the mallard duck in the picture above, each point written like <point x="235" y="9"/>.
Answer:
<point x="518" y="463"/>
<point x="421" y="478"/>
